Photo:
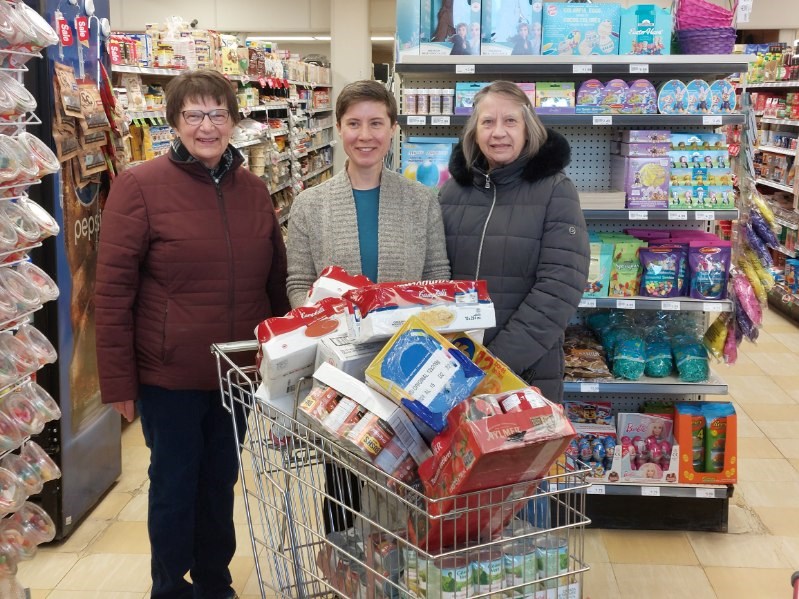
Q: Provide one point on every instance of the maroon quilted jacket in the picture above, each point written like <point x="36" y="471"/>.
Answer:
<point x="183" y="263"/>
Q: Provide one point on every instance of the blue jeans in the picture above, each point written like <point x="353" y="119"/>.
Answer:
<point x="193" y="469"/>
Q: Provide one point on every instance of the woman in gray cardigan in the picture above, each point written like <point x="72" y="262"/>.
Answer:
<point x="367" y="219"/>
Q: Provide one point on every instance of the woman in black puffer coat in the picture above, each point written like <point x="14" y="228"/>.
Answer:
<point x="513" y="218"/>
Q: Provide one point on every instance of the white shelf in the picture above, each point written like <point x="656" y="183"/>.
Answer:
<point x="634" y="216"/>
<point x="774" y="121"/>
<point x="318" y="171"/>
<point x="314" y="149"/>
<point x="776" y="150"/>
<point x="678" y="304"/>
<point x="771" y="84"/>
<point x="278" y="188"/>
<point x="785" y="223"/>
<point x="670" y="385"/>
<point x="264" y="107"/>
<point x="784" y="250"/>
<point x="660" y="490"/>
<point x="249" y="142"/>
<point x="308" y="83"/>
<point x="774" y="185"/>
<point x="146" y="114"/>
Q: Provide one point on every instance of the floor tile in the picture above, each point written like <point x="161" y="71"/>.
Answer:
<point x="240" y="570"/>
<point x="131" y="480"/>
<point x="737" y="551"/>
<point x="758" y="412"/>
<point x="743" y="366"/>
<point x="749" y="582"/>
<point x="764" y="470"/>
<point x="82" y="536"/>
<point x="135" y="458"/>
<point x="648" y="547"/>
<point x="123" y="537"/>
<point x="661" y="582"/>
<point x="789" y="384"/>
<point x="782" y="429"/>
<point x="747" y="428"/>
<point x="756" y="389"/>
<point x="37" y="593"/>
<point x="595" y="551"/>
<point x="136" y="509"/>
<point x="789" y="548"/>
<point x="89" y="594"/>
<point x="757" y="448"/>
<point x="789" y="448"/>
<point x="600" y="581"/>
<point x="770" y="494"/>
<point x="132" y="435"/>
<point x="46" y="570"/>
<point x="773" y="363"/>
<point x="109" y="506"/>
<point x="108" y="572"/>
<point x="743" y="520"/>
<point x="779" y="521"/>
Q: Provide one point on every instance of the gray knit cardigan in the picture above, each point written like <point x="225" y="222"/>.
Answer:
<point x="323" y="231"/>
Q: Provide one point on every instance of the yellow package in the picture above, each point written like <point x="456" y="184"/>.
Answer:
<point x="498" y="377"/>
<point x="715" y="336"/>
<point x="147" y="143"/>
<point x="766" y="278"/>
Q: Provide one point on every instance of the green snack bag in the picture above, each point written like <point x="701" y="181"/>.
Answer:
<point x="625" y="273"/>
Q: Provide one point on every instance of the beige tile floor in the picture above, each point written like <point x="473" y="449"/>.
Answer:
<point x="107" y="556"/>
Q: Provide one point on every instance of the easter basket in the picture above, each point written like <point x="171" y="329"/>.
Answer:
<point x="701" y="14"/>
<point x="716" y="40"/>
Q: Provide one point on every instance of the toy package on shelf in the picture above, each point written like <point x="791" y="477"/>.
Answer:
<point x="588" y="412"/>
<point x="648" y="452"/>
<point x="580" y="29"/>
<point x="644" y="180"/>
<point x="511" y="32"/>
<point x="595" y="446"/>
<point x="707" y="436"/>
<point x="424" y="373"/>
<point x="616" y="97"/>
<point x="464" y="95"/>
<point x="378" y="311"/>
<point x="446" y="28"/>
<point x="554" y="98"/>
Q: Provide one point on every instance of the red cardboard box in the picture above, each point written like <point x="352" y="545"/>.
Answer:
<point x="478" y="453"/>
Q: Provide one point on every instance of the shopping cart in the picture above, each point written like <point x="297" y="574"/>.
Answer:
<point x="398" y="543"/>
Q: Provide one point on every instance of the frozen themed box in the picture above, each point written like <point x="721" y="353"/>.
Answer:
<point x="511" y="28"/>
<point x="449" y="27"/>
<point x="580" y="29"/>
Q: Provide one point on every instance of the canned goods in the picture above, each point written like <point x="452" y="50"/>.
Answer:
<point x="552" y="558"/>
<point x="521" y="566"/>
<point x="371" y="435"/>
<point x="454" y="573"/>
<point x="486" y="569"/>
<point x="320" y="402"/>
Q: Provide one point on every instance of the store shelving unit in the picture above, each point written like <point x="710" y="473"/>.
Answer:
<point x="292" y="112"/>
<point x="625" y="505"/>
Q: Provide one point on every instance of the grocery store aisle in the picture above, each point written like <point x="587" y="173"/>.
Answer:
<point x="107" y="556"/>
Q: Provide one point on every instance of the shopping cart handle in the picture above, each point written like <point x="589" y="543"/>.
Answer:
<point x="234" y="346"/>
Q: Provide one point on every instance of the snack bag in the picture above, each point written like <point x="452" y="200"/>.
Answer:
<point x="626" y="269"/>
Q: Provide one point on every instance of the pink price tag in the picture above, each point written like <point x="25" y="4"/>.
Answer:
<point x="115" y="53"/>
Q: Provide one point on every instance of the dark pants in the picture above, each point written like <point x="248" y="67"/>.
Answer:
<point x="345" y="487"/>
<point x="193" y="469"/>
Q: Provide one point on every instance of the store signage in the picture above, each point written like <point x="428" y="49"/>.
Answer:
<point x="64" y="32"/>
<point x="82" y="27"/>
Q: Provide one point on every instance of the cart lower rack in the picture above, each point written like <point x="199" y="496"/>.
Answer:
<point x="325" y="522"/>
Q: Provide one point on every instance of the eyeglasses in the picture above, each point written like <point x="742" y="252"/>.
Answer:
<point x="195" y="117"/>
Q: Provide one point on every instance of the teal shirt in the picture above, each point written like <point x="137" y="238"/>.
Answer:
<point x="367" y="208"/>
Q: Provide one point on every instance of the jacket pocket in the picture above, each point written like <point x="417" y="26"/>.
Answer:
<point x="164" y="326"/>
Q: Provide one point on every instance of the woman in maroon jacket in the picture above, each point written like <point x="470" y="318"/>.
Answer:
<point x="190" y="254"/>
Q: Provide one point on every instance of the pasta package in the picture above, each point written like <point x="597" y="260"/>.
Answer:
<point x="378" y="311"/>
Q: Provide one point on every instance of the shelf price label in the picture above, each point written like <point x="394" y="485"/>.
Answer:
<point x="625" y="304"/>
<point x="638" y="215"/>
<point x="587" y="303"/>
<point x="595" y="490"/>
<point x="704" y="215"/>
<point x="711" y="306"/>
<point x="439" y="120"/>
<point x="711" y="120"/>
<point x="678" y="215"/>
<point x="703" y="493"/>
<point x="601" y="119"/>
<point x="417" y="120"/>
<point x="666" y="305"/>
<point x="582" y="69"/>
<point x="464" y="69"/>
<point x="641" y="69"/>
<point x="589" y="387"/>
<point x="650" y="491"/>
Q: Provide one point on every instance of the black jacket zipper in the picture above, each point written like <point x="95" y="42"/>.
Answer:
<point x="226" y="226"/>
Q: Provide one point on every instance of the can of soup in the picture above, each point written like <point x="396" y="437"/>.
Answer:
<point x="552" y="558"/>
<point x="487" y="570"/>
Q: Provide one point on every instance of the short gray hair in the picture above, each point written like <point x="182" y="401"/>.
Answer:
<point x="535" y="131"/>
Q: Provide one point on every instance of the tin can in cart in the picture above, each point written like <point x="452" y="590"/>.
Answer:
<point x="552" y="558"/>
<point x="443" y="578"/>
<point x="521" y="566"/>
<point x="487" y="570"/>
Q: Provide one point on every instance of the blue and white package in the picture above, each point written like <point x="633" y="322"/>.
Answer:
<point x="645" y="30"/>
<point x="511" y="30"/>
<point x="580" y="29"/>
<point x="423" y="371"/>
<point x="426" y="159"/>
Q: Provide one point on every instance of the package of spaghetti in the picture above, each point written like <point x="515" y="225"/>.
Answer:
<point x="378" y="311"/>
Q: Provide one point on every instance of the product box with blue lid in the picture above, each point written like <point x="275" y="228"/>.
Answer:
<point x="580" y="29"/>
<point x="426" y="159"/>
<point x="645" y="30"/>
<point x="511" y="32"/>
<point x="424" y="372"/>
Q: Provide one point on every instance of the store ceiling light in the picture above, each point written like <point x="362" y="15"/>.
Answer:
<point x="382" y="38"/>
<point x="284" y="38"/>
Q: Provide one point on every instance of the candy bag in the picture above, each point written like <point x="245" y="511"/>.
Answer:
<point x="746" y="297"/>
<point x="754" y="279"/>
<point x="763" y="207"/>
<point x="709" y="265"/>
<point x="629" y="359"/>
<point x="659" y="362"/>
<point x="716" y="336"/>
<point x="692" y="362"/>
<point x="748" y="328"/>
<point x="765" y="276"/>
<point x="661" y="267"/>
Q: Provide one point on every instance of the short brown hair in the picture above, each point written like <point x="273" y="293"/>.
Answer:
<point x="365" y="90"/>
<point x="534" y="129"/>
<point x="196" y="85"/>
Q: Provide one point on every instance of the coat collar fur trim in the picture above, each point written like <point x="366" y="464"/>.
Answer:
<point x="552" y="158"/>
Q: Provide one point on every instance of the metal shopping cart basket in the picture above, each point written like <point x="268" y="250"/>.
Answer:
<point x="325" y="522"/>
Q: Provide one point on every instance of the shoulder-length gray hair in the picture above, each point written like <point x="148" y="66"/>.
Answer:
<point x="535" y="131"/>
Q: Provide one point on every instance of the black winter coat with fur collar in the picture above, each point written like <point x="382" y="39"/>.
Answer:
<point x="520" y="227"/>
